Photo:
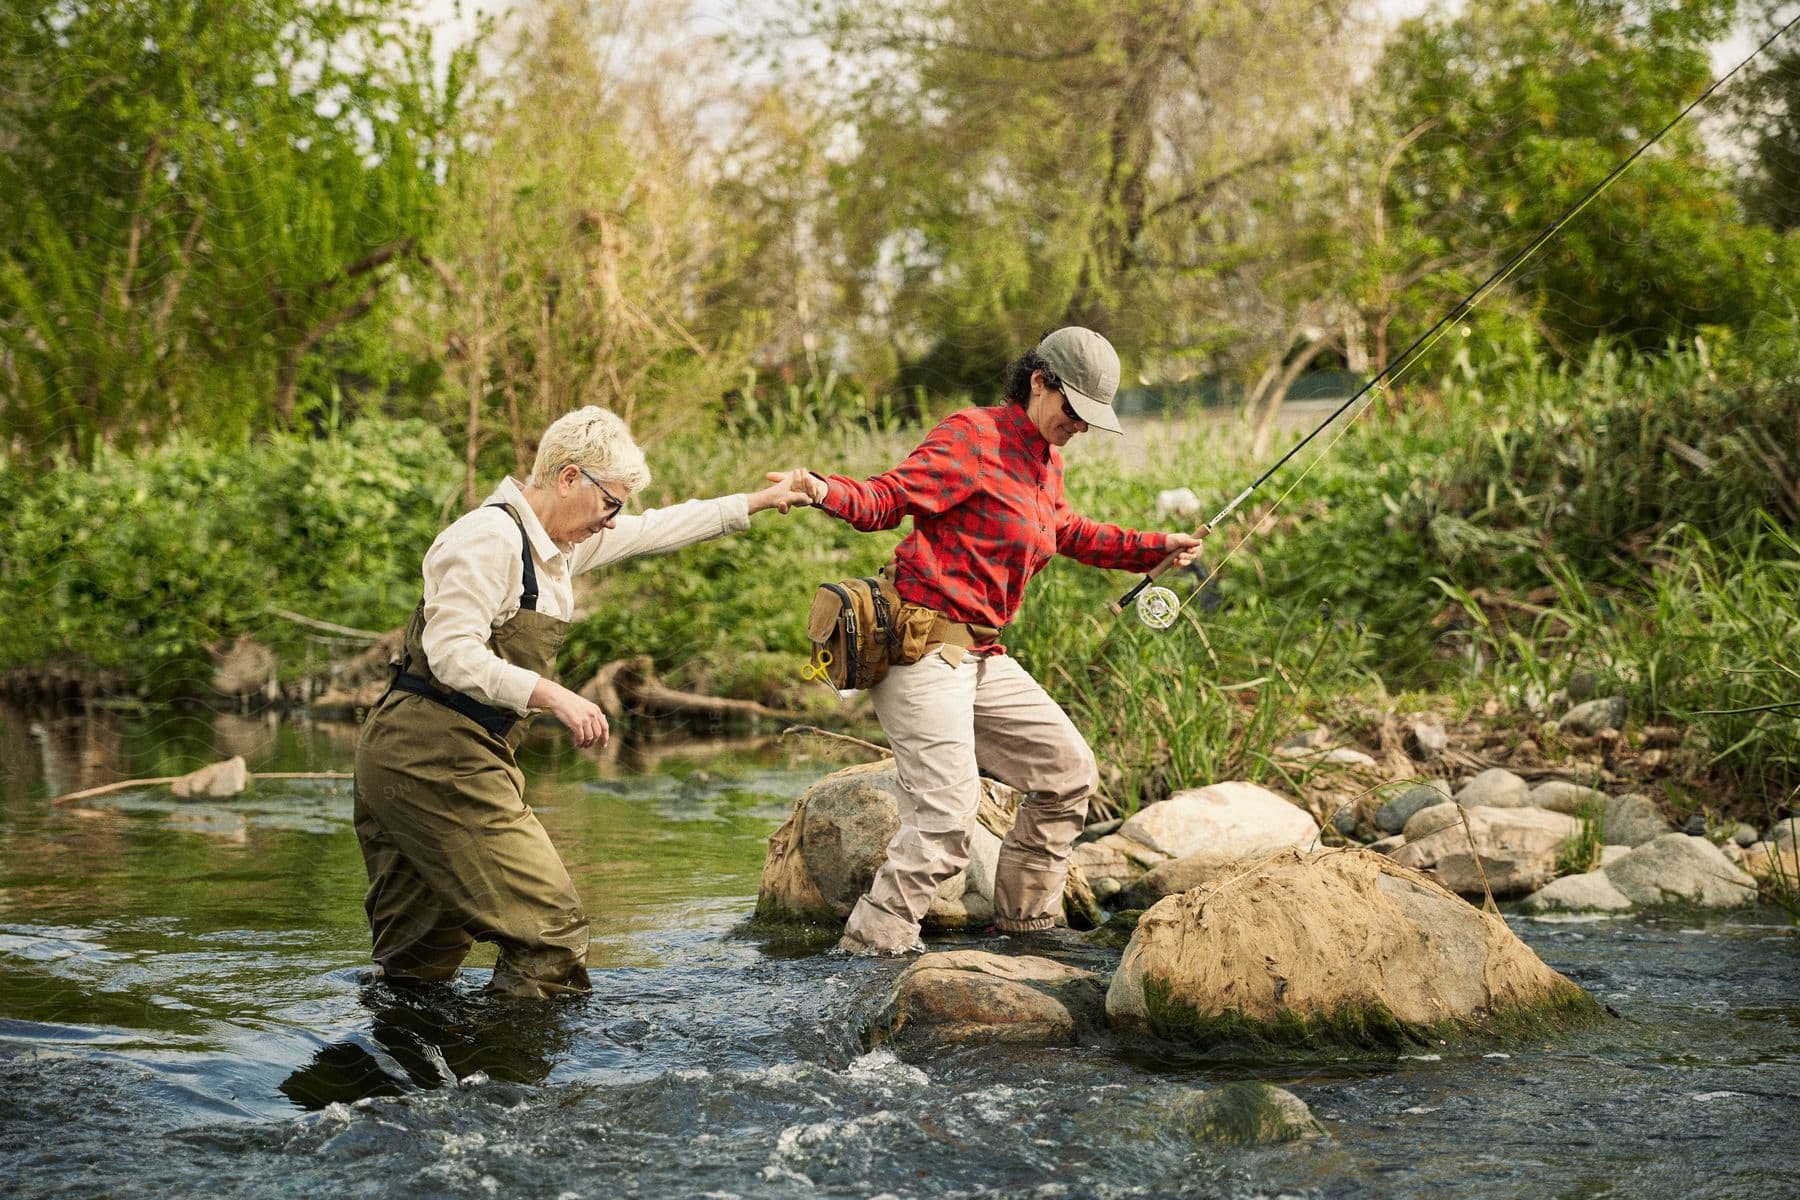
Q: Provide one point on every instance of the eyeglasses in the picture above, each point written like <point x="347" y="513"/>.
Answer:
<point x="1069" y="410"/>
<point x="614" y="505"/>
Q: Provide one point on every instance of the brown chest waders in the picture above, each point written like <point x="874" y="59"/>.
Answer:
<point x="453" y="853"/>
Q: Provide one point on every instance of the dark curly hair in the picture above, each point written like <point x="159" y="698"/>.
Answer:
<point x="1018" y="377"/>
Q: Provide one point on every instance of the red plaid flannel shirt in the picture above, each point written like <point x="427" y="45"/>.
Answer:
<point x="985" y="492"/>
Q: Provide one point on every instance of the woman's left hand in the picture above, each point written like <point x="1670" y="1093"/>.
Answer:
<point x="1186" y="546"/>
<point x="787" y="489"/>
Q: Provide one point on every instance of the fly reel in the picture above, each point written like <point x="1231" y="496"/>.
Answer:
<point x="1158" y="607"/>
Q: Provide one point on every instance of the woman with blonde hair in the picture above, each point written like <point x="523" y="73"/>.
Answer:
<point x="453" y="853"/>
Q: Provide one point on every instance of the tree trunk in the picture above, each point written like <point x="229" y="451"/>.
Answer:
<point x="1265" y="420"/>
<point x="477" y="373"/>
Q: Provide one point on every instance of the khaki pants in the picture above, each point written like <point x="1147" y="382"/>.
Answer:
<point x="945" y="723"/>
<point x="454" y="856"/>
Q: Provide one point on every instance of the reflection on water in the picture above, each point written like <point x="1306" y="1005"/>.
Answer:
<point x="183" y="1010"/>
<point x="432" y="1036"/>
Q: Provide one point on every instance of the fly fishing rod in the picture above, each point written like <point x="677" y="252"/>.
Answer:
<point x="1158" y="606"/>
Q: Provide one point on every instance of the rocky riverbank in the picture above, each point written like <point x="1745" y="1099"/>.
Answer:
<point x="1250" y="921"/>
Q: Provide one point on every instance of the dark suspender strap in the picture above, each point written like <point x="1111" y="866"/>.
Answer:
<point x="487" y="716"/>
<point x="528" y="594"/>
<point x="494" y="720"/>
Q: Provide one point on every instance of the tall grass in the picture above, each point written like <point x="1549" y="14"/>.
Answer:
<point x="1707" y="641"/>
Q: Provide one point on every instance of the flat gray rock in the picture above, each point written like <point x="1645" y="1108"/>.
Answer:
<point x="1392" y="816"/>
<point x="1785" y="834"/>
<point x="1588" y="892"/>
<point x="1559" y="795"/>
<point x="1316" y="738"/>
<point x="1517" y="847"/>
<point x="1344" y="756"/>
<point x="1632" y="820"/>
<point x="1235" y="817"/>
<point x="1679" y="869"/>
<point x="1495" y="788"/>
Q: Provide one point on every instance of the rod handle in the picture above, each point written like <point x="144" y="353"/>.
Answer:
<point x="1154" y="573"/>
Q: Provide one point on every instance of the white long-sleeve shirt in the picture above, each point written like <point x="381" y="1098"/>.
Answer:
<point x="474" y="574"/>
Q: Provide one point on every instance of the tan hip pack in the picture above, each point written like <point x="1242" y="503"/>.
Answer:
<point x="860" y="627"/>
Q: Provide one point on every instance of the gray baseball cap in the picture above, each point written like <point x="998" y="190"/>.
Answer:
<point x="1089" y="369"/>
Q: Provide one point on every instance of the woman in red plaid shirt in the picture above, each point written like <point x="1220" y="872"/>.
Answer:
<point x="985" y="492"/>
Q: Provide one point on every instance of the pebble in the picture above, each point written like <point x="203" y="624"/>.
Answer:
<point x="1392" y="816"/>
<point x="1594" y="716"/>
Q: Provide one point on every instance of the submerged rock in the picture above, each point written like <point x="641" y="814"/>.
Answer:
<point x="1240" y="818"/>
<point x="1332" y="949"/>
<point x="1246" y="1113"/>
<point x="825" y="855"/>
<point x="1679" y="869"/>
<point x="1517" y="847"/>
<point x="1495" y="788"/>
<point x="974" y="996"/>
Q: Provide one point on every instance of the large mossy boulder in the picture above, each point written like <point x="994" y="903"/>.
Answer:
<point x="1327" y="950"/>
<point x="827" y="852"/>
<point x="962" y="996"/>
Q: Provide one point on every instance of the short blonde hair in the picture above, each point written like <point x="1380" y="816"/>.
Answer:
<point x="595" y="438"/>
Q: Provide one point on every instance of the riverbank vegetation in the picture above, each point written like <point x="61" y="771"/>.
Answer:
<point x="1472" y="548"/>
<point x="291" y="285"/>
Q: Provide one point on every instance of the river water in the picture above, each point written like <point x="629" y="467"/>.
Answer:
<point x="181" y="1014"/>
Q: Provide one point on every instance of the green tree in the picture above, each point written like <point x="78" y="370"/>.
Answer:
<point x="1004" y="168"/>
<point x="579" y="239"/>
<point x="205" y="200"/>
<point x="1768" y="108"/>
<point x="1518" y="108"/>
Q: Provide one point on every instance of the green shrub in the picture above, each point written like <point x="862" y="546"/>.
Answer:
<point x="143" y="561"/>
